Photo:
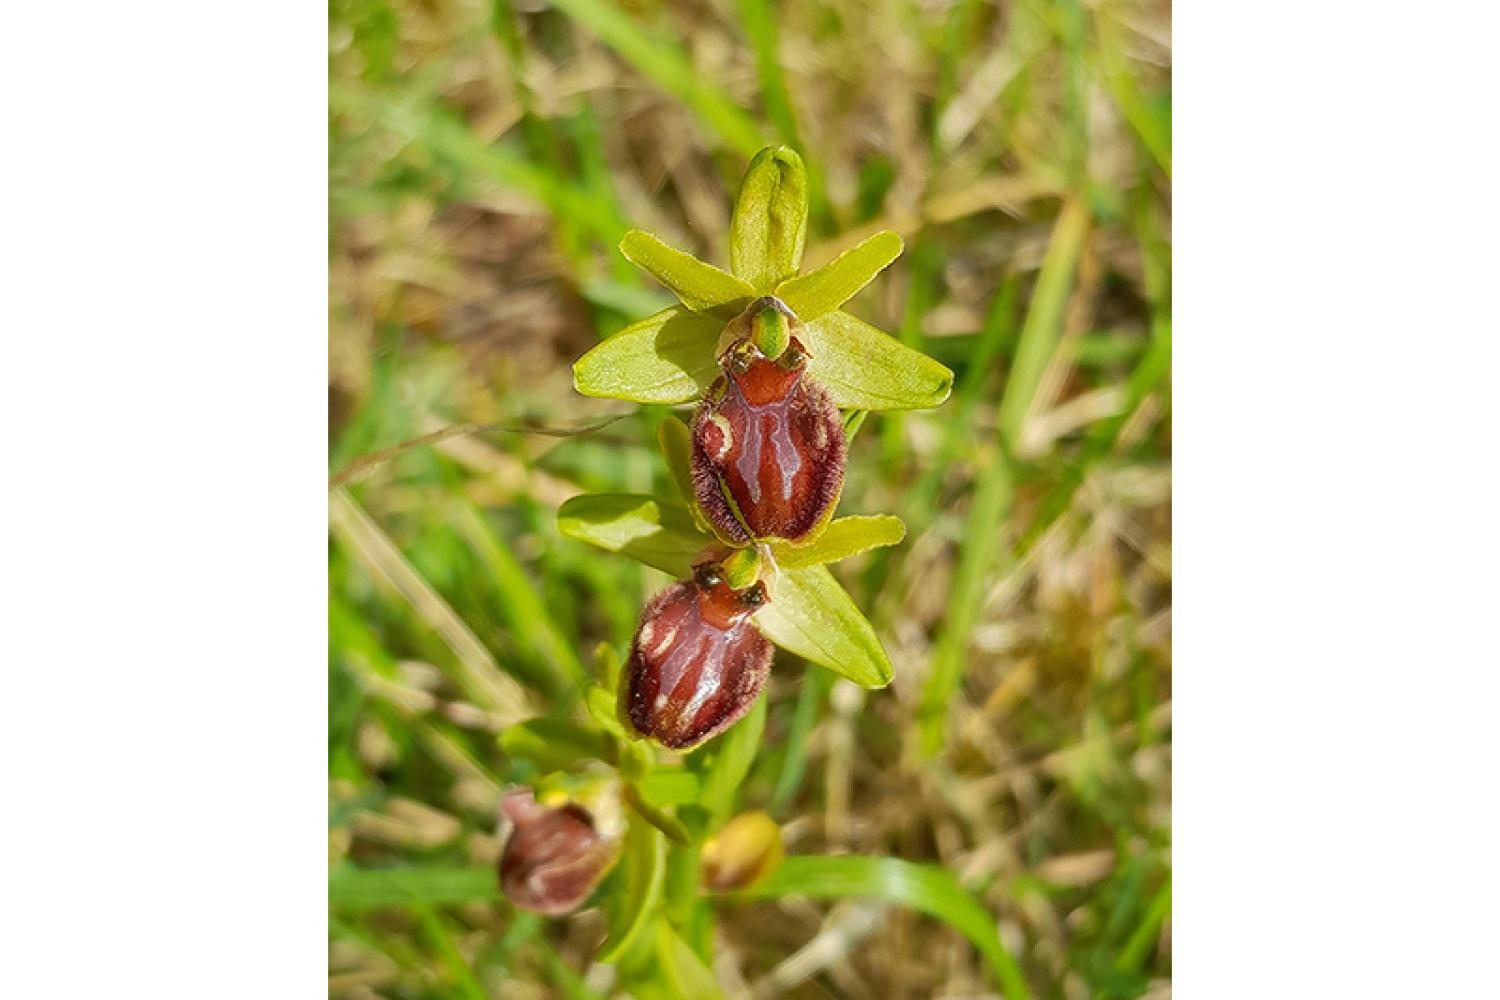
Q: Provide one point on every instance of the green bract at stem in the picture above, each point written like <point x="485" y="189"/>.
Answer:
<point x="670" y="357"/>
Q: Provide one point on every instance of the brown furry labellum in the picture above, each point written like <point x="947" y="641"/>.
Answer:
<point x="697" y="662"/>
<point x="768" y="447"/>
<point x="554" y="857"/>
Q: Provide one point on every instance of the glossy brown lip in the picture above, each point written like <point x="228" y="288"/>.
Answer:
<point x="697" y="662"/>
<point x="768" y="449"/>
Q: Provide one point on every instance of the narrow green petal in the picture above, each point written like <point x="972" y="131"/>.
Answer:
<point x="701" y="287"/>
<point x="865" y="369"/>
<point x="838" y="281"/>
<point x="770" y="219"/>
<point x="811" y="615"/>
<point x="844" y="537"/>
<point x="656" y="532"/>
<point x="665" y="358"/>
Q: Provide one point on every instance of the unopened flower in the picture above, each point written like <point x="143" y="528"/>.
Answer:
<point x="746" y="850"/>
<point x="768" y="444"/>
<point x="697" y="662"/>
<point x="554" y="857"/>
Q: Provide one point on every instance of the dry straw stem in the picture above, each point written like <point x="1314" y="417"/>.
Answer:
<point x="477" y="671"/>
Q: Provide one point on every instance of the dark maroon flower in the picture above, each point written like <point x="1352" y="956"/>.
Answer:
<point x="554" y="857"/>
<point x="697" y="663"/>
<point x="768" y="446"/>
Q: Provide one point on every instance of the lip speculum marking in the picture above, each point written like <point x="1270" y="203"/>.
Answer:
<point x="704" y="677"/>
<point x="767" y="435"/>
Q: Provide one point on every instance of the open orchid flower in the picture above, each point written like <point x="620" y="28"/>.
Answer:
<point x="672" y="356"/>
<point x="697" y="662"/>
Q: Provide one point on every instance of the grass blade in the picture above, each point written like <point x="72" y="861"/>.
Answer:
<point x="1043" y="328"/>
<point x="668" y="66"/>
<point x="929" y="889"/>
<point x="351" y="888"/>
<point x="984" y="541"/>
<point x="522" y="606"/>
<point x="479" y="675"/>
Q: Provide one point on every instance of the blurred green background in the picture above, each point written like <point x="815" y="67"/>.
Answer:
<point x="485" y="159"/>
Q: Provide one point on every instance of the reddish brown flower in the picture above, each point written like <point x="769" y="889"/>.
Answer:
<point x="697" y="662"/>
<point x="768" y="446"/>
<point x="554" y="857"/>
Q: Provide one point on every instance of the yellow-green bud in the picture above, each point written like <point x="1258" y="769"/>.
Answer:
<point x="745" y="851"/>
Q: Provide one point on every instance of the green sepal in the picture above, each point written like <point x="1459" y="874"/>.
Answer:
<point x="811" y="615"/>
<point x="601" y="706"/>
<point x="659" y="533"/>
<point x="865" y="369"/>
<point x="668" y="357"/>
<point x="675" y="439"/>
<point x="769" y="228"/>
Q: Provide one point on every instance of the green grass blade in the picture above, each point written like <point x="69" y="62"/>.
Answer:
<point x="759" y="23"/>
<point x="668" y="66"/>
<point x="929" y="889"/>
<point x="1043" y="327"/>
<point x="449" y="139"/>
<point x="1144" y="935"/>
<point x="815" y="687"/>
<point x="458" y="967"/>
<point x="478" y="673"/>
<point x="521" y="605"/>
<point x="351" y="888"/>
<point x="984" y="542"/>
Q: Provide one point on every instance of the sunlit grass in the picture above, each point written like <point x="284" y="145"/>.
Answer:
<point x="485" y="163"/>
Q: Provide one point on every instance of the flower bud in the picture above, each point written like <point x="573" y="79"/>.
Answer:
<point x="746" y="850"/>
<point x="554" y="857"/>
<point x="768" y="445"/>
<point x="697" y="662"/>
